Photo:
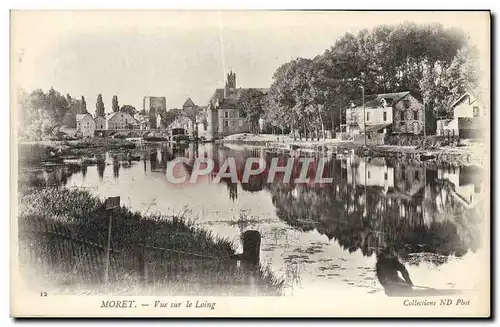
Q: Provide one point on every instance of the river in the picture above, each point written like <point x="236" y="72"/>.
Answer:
<point x="317" y="237"/>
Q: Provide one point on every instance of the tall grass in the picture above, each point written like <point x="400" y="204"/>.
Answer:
<point x="196" y="262"/>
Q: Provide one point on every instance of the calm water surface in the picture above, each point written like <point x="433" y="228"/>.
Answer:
<point x="316" y="237"/>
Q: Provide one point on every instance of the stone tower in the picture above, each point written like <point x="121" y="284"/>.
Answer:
<point x="230" y="89"/>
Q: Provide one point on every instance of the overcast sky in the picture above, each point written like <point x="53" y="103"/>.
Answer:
<point x="178" y="54"/>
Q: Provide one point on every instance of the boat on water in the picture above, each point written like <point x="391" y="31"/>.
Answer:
<point x="92" y="160"/>
<point x="154" y="138"/>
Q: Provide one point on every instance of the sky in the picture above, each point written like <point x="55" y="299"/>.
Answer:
<point x="181" y="54"/>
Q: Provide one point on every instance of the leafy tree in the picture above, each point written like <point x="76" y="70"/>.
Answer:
<point x="128" y="109"/>
<point x="250" y="107"/>
<point x="83" y="106"/>
<point x="115" y="105"/>
<point x="433" y="62"/>
<point x="170" y="116"/>
<point x="99" y="107"/>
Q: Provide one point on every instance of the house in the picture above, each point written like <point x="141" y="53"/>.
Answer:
<point x="85" y="125"/>
<point x="397" y="113"/>
<point x="202" y="124"/>
<point x="158" y="122"/>
<point x="223" y="117"/>
<point x="191" y="111"/>
<point x="468" y="106"/>
<point x="120" y="120"/>
<point x="468" y="118"/>
<point x="184" y="122"/>
<point x="100" y="123"/>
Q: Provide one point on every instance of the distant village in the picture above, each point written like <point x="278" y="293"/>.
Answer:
<point x="365" y="122"/>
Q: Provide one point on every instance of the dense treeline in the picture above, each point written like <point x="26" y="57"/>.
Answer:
<point x="41" y="114"/>
<point x="435" y="63"/>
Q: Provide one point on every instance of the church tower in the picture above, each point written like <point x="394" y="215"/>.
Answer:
<point x="230" y="89"/>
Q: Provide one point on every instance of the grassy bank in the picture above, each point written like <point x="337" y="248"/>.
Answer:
<point x="154" y="254"/>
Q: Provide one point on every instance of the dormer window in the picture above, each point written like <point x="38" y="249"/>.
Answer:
<point x="384" y="103"/>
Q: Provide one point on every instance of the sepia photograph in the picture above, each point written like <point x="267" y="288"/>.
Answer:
<point x="257" y="163"/>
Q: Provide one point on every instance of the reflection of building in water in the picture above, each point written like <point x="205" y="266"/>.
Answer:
<point x="374" y="172"/>
<point x="409" y="180"/>
<point x="465" y="185"/>
<point x="116" y="169"/>
<point x="100" y="170"/>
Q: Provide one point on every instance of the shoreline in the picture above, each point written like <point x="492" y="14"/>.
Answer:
<point x="470" y="155"/>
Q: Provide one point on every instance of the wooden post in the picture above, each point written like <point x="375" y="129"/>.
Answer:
<point x="251" y="248"/>
<point x="141" y="263"/>
<point x="106" y="267"/>
<point x="110" y="204"/>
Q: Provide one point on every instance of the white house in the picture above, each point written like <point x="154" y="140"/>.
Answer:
<point x="85" y="125"/>
<point x="182" y="122"/>
<point x="158" y="122"/>
<point x="468" y="106"/>
<point x="468" y="117"/>
<point x="119" y="120"/>
<point x="400" y="111"/>
<point x="100" y="123"/>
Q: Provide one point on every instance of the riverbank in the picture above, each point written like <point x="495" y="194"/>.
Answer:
<point x="67" y="228"/>
<point x="37" y="152"/>
<point x="431" y="149"/>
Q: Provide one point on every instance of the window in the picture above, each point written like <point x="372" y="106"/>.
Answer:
<point x="367" y="116"/>
<point x="241" y="122"/>
<point x="475" y="111"/>
<point x="226" y="114"/>
<point x="406" y="103"/>
<point x="234" y="123"/>
<point x="385" y="115"/>
<point x="402" y="115"/>
<point x="415" y="115"/>
<point x="368" y="175"/>
<point x="417" y="176"/>
<point x="226" y="123"/>
<point x="385" y="176"/>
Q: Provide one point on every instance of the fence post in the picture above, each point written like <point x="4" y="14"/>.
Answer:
<point x="251" y="248"/>
<point x="141" y="263"/>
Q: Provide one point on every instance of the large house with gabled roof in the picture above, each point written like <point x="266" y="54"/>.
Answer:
<point x="223" y="117"/>
<point x="85" y="125"/>
<point x="399" y="113"/>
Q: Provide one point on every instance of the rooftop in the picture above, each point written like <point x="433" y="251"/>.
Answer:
<point x="375" y="101"/>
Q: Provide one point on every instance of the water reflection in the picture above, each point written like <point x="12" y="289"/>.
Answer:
<point x="415" y="212"/>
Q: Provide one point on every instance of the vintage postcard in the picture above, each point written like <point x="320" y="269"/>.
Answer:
<point x="250" y="163"/>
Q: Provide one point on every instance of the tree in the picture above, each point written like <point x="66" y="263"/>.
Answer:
<point x="432" y="62"/>
<point x="83" y="106"/>
<point x="99" y="107"/>
<point x="115" y="105"/>
<point x="250" y="107"/>
<point x="170" y="116"/>
<point x="129" y="109"/>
